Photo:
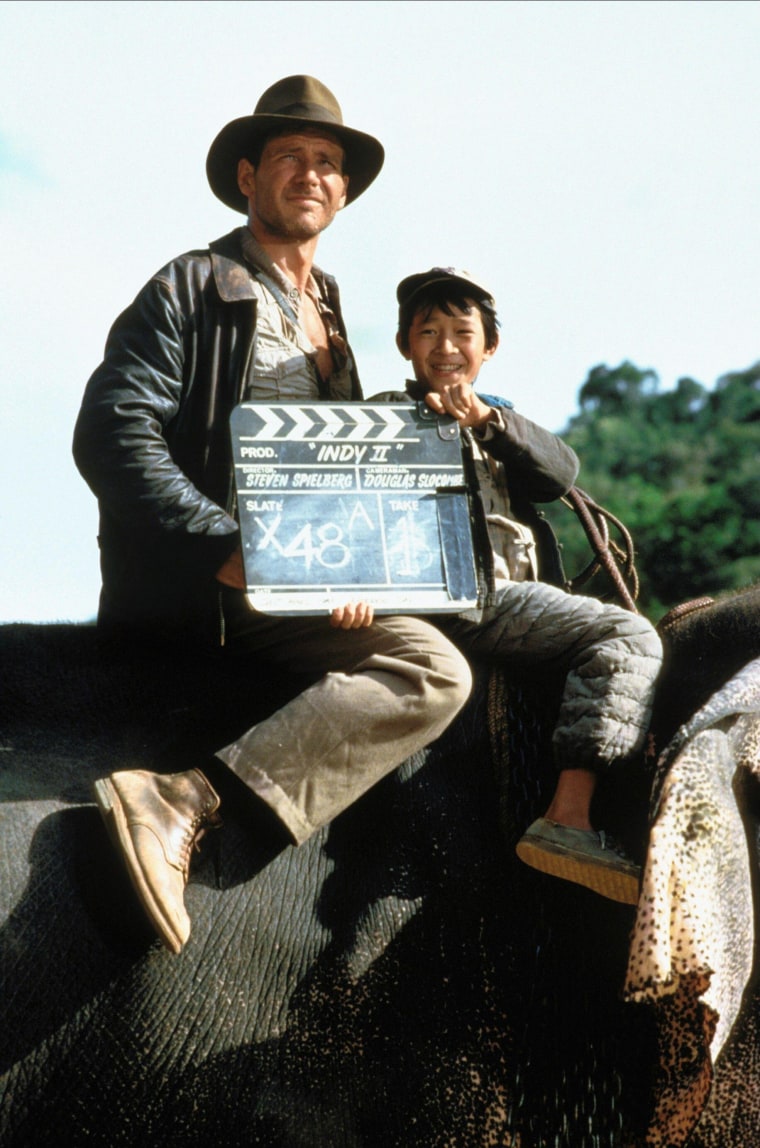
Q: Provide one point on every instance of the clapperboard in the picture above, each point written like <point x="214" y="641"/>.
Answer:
<point x="358" y="501"/>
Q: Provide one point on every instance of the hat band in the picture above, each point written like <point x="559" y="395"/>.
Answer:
<point x="308" y="112"/>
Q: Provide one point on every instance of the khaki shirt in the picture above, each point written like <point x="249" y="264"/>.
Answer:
<point x="284" y="358"/>
<point x="512" y="543"/>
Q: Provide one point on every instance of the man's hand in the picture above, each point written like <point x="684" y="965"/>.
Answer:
<point x="460" y="401"/>
<point x="352" y="616"/>
<point x="232" y="573"/>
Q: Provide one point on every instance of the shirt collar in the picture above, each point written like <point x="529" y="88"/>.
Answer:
<point x="256" y="255"/>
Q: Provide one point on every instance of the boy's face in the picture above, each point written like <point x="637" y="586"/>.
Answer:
<point x="445" y="350"/>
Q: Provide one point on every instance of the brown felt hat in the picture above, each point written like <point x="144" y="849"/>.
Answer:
<point x="294" y="102"/>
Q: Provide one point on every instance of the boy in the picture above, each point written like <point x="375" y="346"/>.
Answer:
<point x="448" y="329"/>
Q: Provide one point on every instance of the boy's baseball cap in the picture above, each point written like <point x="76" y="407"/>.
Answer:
<point x="413" y="284"/>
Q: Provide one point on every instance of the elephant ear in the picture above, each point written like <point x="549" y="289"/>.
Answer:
<point x="692" y="945"/>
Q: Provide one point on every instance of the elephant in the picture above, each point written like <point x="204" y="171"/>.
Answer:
<point x="400" y="980"/>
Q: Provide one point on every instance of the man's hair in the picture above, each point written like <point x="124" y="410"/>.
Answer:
<point x="254" y="151"/>
<point x="447" y="295"/>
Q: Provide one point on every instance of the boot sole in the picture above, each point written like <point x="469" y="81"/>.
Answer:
<point x="112" y="812"/>
<point x="608" y="882"/>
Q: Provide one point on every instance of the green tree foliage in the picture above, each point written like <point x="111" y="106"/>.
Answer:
<point x="681" y="470"/>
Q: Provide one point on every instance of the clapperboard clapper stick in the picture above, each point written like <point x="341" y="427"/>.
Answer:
<point x="342" y="502"/>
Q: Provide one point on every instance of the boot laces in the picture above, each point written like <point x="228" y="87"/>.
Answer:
<point x="196" y="831"/>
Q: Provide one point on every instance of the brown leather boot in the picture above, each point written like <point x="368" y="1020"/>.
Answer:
<point x="155" y="821"/>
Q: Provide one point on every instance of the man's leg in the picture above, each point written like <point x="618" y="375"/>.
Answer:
<point x="380" y="694"/>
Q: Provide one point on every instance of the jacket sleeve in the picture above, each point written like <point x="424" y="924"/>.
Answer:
<point x="122" y="434"/>
<point x="539" y="466"/>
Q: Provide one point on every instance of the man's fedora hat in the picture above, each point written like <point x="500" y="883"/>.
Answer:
<point x="297" y="101"/>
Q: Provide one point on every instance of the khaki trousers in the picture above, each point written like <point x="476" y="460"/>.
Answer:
<point x="381" y="693"/>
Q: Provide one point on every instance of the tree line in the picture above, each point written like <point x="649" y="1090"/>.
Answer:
<point x="680" y="469"/>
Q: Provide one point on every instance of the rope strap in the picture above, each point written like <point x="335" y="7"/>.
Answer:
<point x="617" y="560"/>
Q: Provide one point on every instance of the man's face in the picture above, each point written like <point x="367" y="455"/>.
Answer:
<point x="297" y="188"/>
<point x="446" y="350"/>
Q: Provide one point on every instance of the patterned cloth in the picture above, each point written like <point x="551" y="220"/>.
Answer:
<point x="692" y="945"/>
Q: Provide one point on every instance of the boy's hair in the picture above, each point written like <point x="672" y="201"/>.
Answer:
<point x="445" y="288"/>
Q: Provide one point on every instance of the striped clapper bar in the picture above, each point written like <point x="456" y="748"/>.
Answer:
<point x="348" y="502"/>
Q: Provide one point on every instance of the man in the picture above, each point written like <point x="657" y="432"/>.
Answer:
<point x="250" y="318"/>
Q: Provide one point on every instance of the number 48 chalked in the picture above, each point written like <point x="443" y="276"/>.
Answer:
<point x="338" y="503"/>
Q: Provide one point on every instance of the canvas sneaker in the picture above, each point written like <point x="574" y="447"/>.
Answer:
<point x="588" y="857"/>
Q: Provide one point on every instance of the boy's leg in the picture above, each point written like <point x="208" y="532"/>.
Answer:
<point x="611" y="658"/>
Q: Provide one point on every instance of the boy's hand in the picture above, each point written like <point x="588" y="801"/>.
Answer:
<point x="352" y="616"/>
<point x="460" y="401"/>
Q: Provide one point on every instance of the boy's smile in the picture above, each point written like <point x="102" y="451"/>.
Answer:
<point x="447" y="350"/>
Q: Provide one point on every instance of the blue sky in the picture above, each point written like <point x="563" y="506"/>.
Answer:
<point x="595" y="163"/>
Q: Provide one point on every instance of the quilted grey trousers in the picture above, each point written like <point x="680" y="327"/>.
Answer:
<point x="611" y="658"/>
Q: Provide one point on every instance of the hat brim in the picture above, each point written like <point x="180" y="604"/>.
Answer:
<point x="364" y="154"/>
<point x="413" y="284"/>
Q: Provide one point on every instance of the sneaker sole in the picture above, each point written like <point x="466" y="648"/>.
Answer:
<point x="610" y="883"/>
<point x="112" y="812"/>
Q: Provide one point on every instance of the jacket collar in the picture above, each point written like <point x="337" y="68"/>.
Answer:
<point x="232" y="274"/>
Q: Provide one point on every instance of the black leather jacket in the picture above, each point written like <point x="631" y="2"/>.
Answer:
<point x="152" y="440"/>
